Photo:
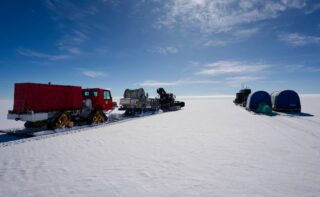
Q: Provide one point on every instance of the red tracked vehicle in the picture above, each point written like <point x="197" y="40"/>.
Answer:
<point x="59" y="106"/>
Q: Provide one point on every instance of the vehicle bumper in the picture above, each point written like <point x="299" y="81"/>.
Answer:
<point x="32" y="117"/>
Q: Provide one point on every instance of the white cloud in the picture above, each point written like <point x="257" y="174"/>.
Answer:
<point x="69" y="10"/>
<point x="242" y="33"/>
<point x="234" y="37"/>
<point x="216" y="42"/>
<point x="231" y="67"/>
<point x="37" y="54"/>
<point x="229" y="81"/>
<point x="311" y="69"/>
<point x="71" y="42"/>
<point x="313" y="8"/>
<point x="201" y="82"/>
<point x="73" y="50"/>
<point x="167" y="50"/>
<point x="158" y="83"/>
<point x="300" y="68"/>
<point x="175" y="83"/>
<point x="74" y="22"/>
<point x="296" y="39"/>
<point x="93" y="74"/>
<point x="241" y="80"/>
<point x="223" y="15"/>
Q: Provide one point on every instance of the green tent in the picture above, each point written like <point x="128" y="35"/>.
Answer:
<point x="263" y="108"/>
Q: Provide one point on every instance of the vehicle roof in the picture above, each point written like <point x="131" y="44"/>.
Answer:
<point x="95" y="89"/>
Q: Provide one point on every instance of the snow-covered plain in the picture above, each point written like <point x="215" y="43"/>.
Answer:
<point x="210" y="148"/>
<point x="6" y="105"/>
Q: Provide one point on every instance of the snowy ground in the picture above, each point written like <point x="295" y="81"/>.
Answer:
<point x="6" y="105"/>
<point x="210" y="148"/>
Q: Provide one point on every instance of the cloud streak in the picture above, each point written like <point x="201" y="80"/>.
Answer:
<point x="41" y="55"/>
<point x="313" y="8"/>
<point x="231" y="67"/>
<point x="239" y="80"/>
<point x="66" y="10"/>
<point x="233" y="37"/>
<point x="75" y="22"/>
<point x="296" y="39"/>
<point x="166" y="50"/>
<point x="72" y="41"/>
<point x="93" y="73"/>
<point x="175" y="83"/>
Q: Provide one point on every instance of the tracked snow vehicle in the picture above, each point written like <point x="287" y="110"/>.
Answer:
<point x="59" y="106"/>
<point x="242" y="97"/>
<point x="168" y="101"/>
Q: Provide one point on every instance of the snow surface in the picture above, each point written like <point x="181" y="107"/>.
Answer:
<point x="6" y="105"/>
<point x="210" y="148"/>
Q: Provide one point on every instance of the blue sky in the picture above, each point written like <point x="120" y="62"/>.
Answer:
<point x="190" y="47"/>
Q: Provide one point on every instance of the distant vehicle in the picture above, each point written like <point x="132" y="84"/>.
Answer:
<point x="137" y="101"/>
<point x="168" y="101"/>
<point x="59" y="106"/>
<point x="242" y="97"/>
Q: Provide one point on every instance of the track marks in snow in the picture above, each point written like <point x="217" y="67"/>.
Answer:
<point x="303" y="124"/>
<point x="299" y="131"/>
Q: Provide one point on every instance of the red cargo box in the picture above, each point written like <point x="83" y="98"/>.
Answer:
<point x="46" y="97"/>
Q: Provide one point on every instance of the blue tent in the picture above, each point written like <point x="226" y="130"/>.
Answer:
<point x="286" y="101"/>
<point x="257" y="98"/>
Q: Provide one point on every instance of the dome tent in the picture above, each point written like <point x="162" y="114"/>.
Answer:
<point x="260" y="102"/>
<point x="286" y="101"/>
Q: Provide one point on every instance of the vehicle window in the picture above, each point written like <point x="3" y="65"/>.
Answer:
<point x="95" y="93"/>
<point x="106" y="95"/>
<point x="86" y="93"/>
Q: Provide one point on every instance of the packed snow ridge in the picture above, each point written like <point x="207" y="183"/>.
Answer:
<point x="210" y="148"/>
